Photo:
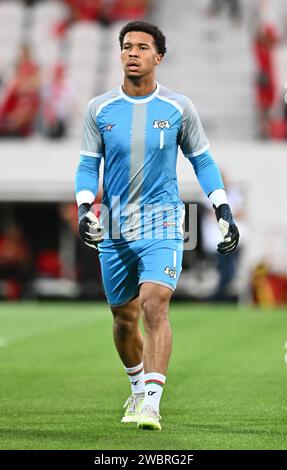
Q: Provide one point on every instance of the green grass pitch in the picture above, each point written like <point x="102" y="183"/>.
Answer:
<point x="62" y="385"/>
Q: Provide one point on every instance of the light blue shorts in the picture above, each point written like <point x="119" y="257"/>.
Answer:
<point x="126" y="265"/>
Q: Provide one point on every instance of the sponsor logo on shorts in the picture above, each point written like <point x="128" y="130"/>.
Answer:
<point x="171" y="272"/>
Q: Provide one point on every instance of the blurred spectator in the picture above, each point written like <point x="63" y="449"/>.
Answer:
<point x="1" y="76"/>
<point x="30" y="3"/>
<point x="285" y="108"/>
<point x="268" y="288"/>
<point x="15" y="263"/>
<point x="57" y="97"/>
<point x="48" y="264"/>
<point x="104" y="11"/>
<point x="278" y="128"/>
<point x="265" y="41"/>
<point x="227" y="266"/>
<point x="85" y="263"/>
<point x="285" y="102"/>
<point x="126" y="9"/>
<point x="21" y="98"/>
<point x="233" y="7"/>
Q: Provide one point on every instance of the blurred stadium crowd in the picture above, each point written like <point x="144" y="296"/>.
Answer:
<point x="38" y="97"/>
<point x="56" y="55"/>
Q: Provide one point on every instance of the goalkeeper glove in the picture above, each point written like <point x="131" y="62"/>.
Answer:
<point x="228" y="229"/>
<point x="90" y="231"/>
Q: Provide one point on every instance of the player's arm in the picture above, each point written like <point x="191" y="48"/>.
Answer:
<point x="209" y="177"/>
<point x="195" y="146"/>
<point x="87" y="180"/>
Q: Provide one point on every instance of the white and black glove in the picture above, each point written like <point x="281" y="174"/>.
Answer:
<point x="228" y="229"/>
<point x="90" y="231"/>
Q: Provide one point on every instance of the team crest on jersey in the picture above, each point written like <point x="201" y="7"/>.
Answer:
<point x="161" y="124"/>
<point x="171" y="272"/>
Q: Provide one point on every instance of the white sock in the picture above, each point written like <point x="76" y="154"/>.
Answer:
<point x="154" y="383"/>
<point x="136" y="378"/>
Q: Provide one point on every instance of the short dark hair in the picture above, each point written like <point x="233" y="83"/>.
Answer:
<point x="148" y="28"/>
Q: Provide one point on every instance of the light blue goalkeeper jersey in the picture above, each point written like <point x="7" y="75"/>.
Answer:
<point x="138" y="139"/>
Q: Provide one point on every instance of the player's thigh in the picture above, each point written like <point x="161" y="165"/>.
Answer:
<point x="119" y="274"/>
<point x="161" y="263"/>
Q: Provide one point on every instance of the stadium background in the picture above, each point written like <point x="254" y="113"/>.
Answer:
<point x="215" y="51"/>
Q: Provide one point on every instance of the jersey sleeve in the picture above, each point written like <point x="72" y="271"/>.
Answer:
<point x="207" y="172"/>
<point x="92" y="143"/>
<point x="192" y="138"/>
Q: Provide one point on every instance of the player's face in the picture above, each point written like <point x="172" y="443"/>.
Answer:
<point x="139" y="55"/>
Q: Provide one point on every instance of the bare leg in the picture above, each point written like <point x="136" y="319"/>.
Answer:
<point x="154" y="300"/>
<point x="127" y="335"/>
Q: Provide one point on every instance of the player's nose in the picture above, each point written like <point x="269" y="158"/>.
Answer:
<point x="134" y="52"/>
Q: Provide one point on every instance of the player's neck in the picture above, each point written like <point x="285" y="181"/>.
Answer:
<point x="138" y="87"/>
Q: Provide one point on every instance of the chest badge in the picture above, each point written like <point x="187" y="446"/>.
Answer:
<point x="161" y="124"/>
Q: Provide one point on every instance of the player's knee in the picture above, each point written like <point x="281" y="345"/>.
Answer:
<point x="155" y="300"/>
<point x="155" y="311"/>
<point x="125" y="321"/>
<point x="123" y="328"/>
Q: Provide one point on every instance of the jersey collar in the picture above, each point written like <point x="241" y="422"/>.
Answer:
<point x="140" y="100"/>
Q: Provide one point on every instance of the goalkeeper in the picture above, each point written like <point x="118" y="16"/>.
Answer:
<point x="135" y="130"/>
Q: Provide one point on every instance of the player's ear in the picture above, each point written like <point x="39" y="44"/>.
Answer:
<point x="158" y="59"/>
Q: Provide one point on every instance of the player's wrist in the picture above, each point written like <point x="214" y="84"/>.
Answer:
<point x="224" y="212"/>
<point x="218" y="197"/>
<point x="83" y="209"/>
